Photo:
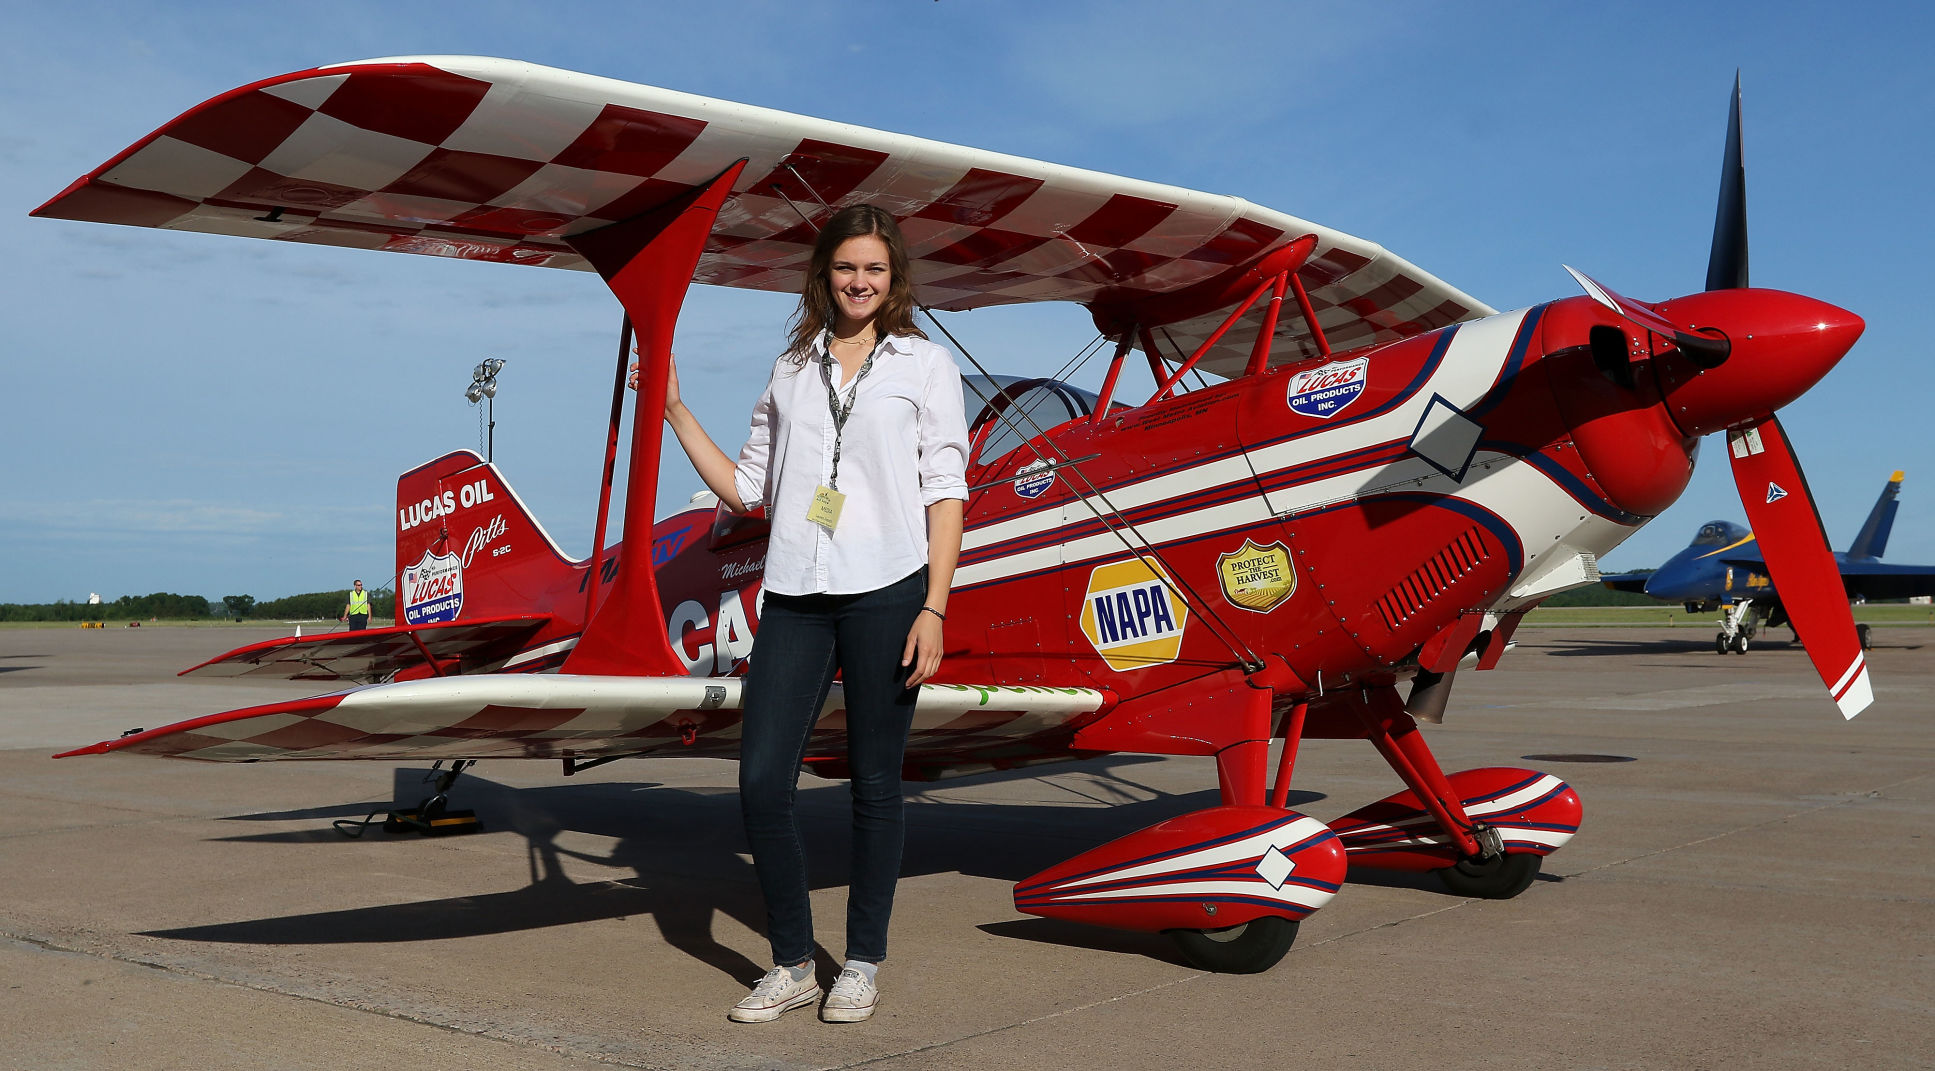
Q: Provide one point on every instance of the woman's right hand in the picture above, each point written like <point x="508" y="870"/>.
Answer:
<point x="671" y="379"/>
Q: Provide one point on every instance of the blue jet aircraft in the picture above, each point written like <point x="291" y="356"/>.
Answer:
<point x="1722" y="568"/>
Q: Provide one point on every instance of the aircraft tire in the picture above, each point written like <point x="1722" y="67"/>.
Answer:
<point x="1719" y="643"/>
<point x="1740" y="643"/>
<point x="1251" y="948"/>
<point x="1499" y="878"/>
<point x="1861" y="633"/>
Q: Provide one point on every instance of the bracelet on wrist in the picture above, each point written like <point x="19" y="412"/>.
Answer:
<point x="936" y="613"/>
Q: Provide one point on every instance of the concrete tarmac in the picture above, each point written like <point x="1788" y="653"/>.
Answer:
<point x="1751" y="889"/>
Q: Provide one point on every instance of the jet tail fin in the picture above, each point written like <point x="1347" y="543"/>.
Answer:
<point x="1872" y="541"/>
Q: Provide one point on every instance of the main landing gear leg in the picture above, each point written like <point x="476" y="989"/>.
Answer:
<point x="1486" y="870"/>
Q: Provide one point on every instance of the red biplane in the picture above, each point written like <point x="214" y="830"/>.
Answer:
<point x="1384" y="478"/>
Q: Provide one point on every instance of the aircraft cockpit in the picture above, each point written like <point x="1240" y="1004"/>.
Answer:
<point x="1003" y="413"/>
<point x="1006" y="411"/>
<point x="1719" y="534"/>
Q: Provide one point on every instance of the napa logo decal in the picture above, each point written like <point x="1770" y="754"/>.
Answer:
<point x="1132" y="617"/>
<point x="1327" y="391"/>
<point x="433" y="589"/>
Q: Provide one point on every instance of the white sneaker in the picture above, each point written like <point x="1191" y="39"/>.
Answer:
<point x="851" y="1000"/>
<point x="776" y="994"/>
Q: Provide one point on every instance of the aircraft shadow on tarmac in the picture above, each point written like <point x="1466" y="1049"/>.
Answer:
<point x="679" y="856"/>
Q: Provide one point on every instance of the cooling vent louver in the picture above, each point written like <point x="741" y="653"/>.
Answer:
<point x="1431" y="579"/>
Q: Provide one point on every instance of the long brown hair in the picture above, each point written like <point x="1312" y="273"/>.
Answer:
<point x="816" y="311"/>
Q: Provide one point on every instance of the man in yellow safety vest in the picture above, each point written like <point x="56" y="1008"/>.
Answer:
<point x="357" y="613"/>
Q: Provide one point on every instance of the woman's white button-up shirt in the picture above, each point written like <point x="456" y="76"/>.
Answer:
<point x="904" y="448"/>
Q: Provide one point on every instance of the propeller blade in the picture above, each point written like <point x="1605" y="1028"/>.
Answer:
<point x="1781" y="511"/>
<point x="1706" y="350"/>
<point x="1727" y="263"/>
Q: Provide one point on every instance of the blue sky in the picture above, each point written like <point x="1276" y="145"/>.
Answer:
<point x="210" y="415"/>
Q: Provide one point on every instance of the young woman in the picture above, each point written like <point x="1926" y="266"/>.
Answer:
<point x="858" y="451"/>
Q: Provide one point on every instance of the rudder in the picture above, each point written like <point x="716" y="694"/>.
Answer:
<point x="467" y="547"/>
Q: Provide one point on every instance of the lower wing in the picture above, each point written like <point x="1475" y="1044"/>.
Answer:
<point x="559" y="716"/>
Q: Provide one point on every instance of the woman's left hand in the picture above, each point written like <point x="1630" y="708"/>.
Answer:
<point x="923" y="650"/>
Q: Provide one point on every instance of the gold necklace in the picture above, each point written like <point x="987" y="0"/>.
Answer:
<point x="855" y="339"/>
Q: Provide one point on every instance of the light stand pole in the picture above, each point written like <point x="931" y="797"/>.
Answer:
<point x="483" y="385"/>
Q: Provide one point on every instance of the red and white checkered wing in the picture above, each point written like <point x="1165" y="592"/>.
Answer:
<point x="558" y="716"/>
<point x="497" y="160"/>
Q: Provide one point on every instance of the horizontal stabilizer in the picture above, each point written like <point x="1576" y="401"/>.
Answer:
<point x="479" y="646"/>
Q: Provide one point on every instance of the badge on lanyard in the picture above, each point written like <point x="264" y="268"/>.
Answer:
<point x="825" y="510"/>
<point x="827" y="499"/>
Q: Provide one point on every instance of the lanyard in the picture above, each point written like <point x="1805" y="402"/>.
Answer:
<point x="839" y="412"/>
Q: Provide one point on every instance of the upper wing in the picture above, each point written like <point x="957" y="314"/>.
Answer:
<point x="497" y="160"/>
<point x="557" y="716"/>
<point x="371" y="654"/>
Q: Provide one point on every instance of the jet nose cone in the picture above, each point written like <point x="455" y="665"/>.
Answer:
<point x="1782" y="345"/>
<point x="1662" y="585"/>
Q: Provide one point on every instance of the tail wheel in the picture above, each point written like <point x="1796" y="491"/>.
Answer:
<point x="1500" y="877"/>
<point x="1250" y="948"/>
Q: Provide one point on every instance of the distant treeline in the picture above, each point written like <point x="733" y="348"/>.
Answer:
<point x="166" y="605"/>
<point x="1600" y="595"/>
<point x="329" y="605"/>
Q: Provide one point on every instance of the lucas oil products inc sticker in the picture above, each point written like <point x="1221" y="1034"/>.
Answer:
<point x="1034" y="478"/>
<point x="433" y="589"/>
<point x="1327" y="391"/>
<point x="1131" y="616"/>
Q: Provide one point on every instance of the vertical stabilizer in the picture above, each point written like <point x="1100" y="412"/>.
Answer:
<point x="466" y="547"/>
<point x="1872" y="542"/>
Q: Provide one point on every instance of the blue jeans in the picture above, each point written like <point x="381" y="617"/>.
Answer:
<point x="802" y="640"/>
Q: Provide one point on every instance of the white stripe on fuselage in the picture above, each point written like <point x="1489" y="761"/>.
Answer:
<point x="1543" y="513"/>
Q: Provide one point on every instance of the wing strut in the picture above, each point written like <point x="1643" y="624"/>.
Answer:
<point x="1309" y="315"/>
<point x="648" y="262"/>
<point x="596" y="582"/>
<point x="1260" y="356"/>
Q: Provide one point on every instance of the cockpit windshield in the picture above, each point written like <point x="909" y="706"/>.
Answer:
<point x="1719" y="534"/>
<point x="1006" y="411"/>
